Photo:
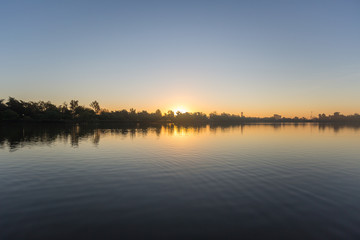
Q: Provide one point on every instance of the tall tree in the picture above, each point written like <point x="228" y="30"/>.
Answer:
<point x="73" y="105"/>
<point x="2" y="105"/>
<point x="95" y="105"/>
<point x="158" y="113"/>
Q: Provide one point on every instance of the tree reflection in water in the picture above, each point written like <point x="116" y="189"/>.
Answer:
<point x="15" y="136"/>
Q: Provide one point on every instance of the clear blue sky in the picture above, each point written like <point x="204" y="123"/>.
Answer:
<point x="259" y="57"/>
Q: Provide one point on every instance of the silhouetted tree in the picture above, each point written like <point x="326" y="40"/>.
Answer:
<point x="132" y="114"/>
<point x="16" y="106"/>
<point x="73" y="105"/>
<point x="2" y="105"/>
<point x="95" y="105"/>
<point x="158" y="115"/>
<point x="169" y="116"/>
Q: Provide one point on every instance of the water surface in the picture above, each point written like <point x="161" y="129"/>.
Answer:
<point x="171" y="182"/>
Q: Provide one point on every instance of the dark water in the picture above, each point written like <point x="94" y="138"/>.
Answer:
<point x="169" y="182"/>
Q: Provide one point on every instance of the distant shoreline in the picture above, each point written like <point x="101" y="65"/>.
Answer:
<point x="245" y="122"/>
<point x="21" y="111"/>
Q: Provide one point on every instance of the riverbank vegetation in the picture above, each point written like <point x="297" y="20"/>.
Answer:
<point x="18" y="110"/>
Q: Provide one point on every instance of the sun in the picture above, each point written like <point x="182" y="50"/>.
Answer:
<point x="180" y="109"/>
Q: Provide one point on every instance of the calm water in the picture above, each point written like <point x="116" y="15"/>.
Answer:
<point x="111" y="182"/>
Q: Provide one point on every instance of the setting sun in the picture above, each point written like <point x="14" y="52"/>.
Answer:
<point x="180" y="109"/>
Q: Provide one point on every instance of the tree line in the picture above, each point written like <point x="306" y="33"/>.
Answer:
<point x="19" y="110"/>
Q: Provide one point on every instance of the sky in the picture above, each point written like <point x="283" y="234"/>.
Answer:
<point x="256" y="57"/>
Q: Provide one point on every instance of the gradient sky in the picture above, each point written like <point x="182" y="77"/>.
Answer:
<point x="257" y="57"/>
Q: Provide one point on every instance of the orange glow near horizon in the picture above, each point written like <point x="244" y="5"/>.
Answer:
<point x="181" y="109"/>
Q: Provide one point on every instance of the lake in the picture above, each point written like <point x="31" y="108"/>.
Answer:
<point x="107" y="181"/>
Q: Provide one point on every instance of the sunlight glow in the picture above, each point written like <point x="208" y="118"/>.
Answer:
<point x="180" y="109"/>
